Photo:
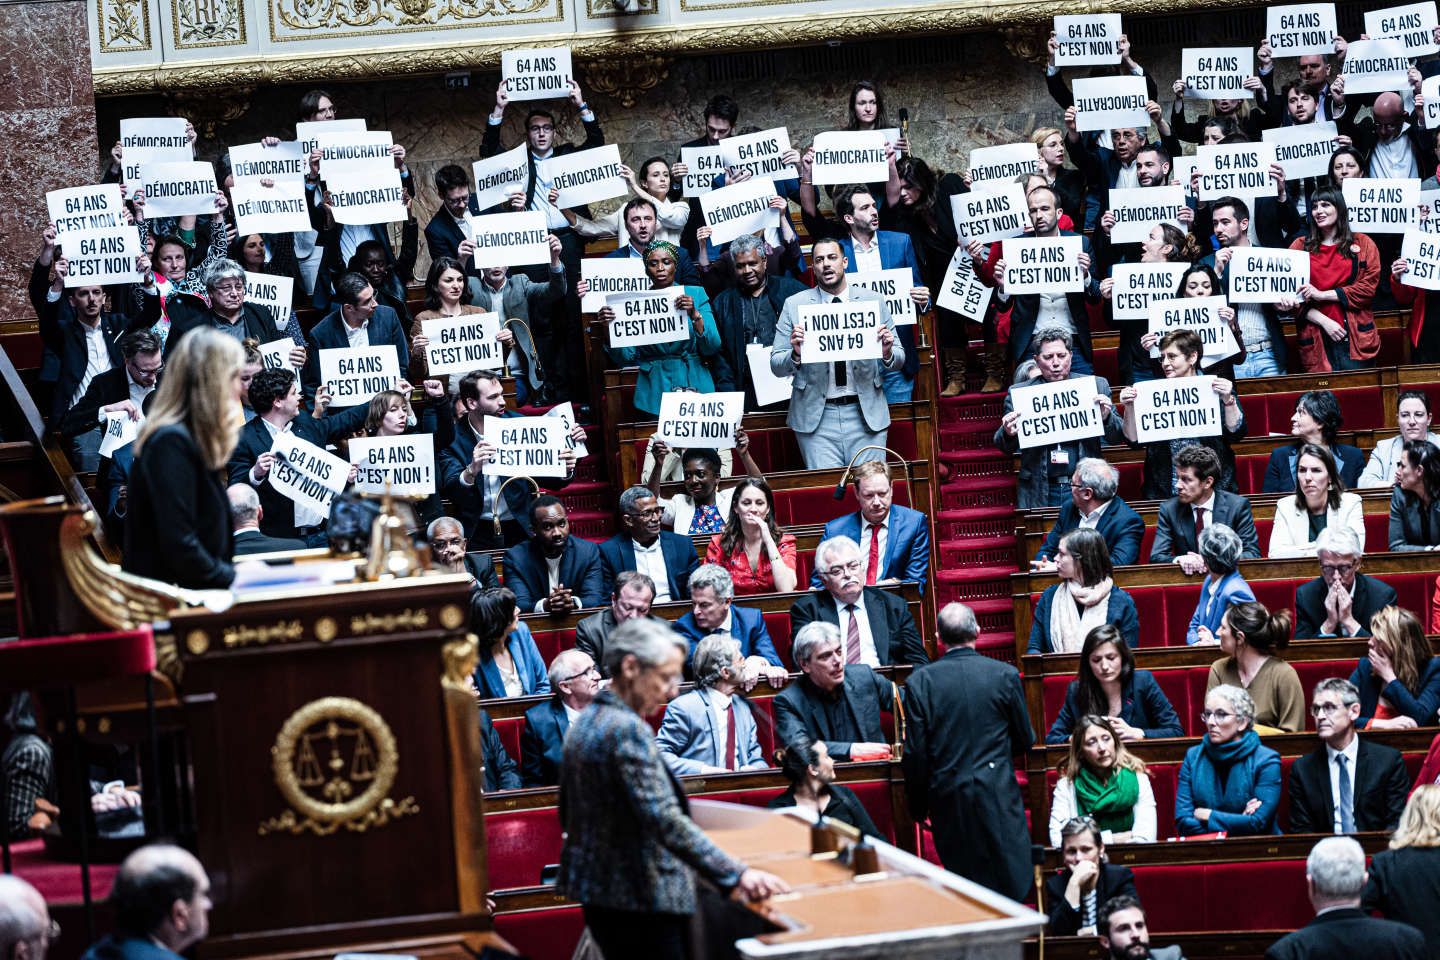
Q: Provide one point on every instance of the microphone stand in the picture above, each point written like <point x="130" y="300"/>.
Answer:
<point x="500" y="492"/>
<point x="839" y="493"/>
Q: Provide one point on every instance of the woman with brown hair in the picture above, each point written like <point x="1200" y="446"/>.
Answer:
<point x="1398" y="678"/>
<point x="1332" y="311"/>
<point x="1085" y="597"/>
<point x="1102" y="780"/>
<point x="1251" y="638"/>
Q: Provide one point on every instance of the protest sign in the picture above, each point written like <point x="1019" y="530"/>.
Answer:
<point x="464" y="343"/>
<point x="151" y="140"/>
<point x="306" y="474"/>
<point x="1428" y="212"/>
<point x="1104" y="103"/>
<point x="99" y="257"/>
<point x="1265" y="275"/>
<point x="1303" y="149"/>
<point x="1375" y="66"/>
<point x="849" y="156"/>
<point x="1235" y="170"/>
<point x="272" y="295"/>
<point x="1421" y="253"/>
<point x="1137" y="285"/>
<point x="341" y="148"/>
<point x="283" y="208"/>
<point x="255" y="161"/>
<point x="989" y="216"/>
<point x="1381" y="206"/>
<point x="1181" y="170"/>
<point x="702" y="166"/>
<point x="1177" y="409"/>
<point x="689" y="419"/>
<point x="536" y="74"/>
<point x="1138" y="209"/>
<point x="526" y="446"/>
<point x="1059" y="412"/>
<point x="585" y="176"/>
<point x="363" y="192"/>
<point x="308" y="133"/>
<point x="565" y="412"/>
<point x="1413" y="24"/>
<point x="1087" y="40"/>
<point x="275" y="355"/>
<point x="405" y="463"/>
<point x="355" y="374"/>
<point x="999" y="166"/>
<point x="768" y="387"/>
<point x="1301" y="29"/>
<point x="607" y="275"/>
<point x="1201" y="314"/>
<point x="178" y="189"/>
<point x="646" y="318"/>
<point x="841" y="331"/>
<point x="1430" y="92"/>
<point x="1043" y="265"/>
<point x="760" y="153"/>
<point x="79" y="209"/>
<point x="501" y="175"/>
<point x="1216" y="73"/>
<point x="117" y="431"/>
<point x="739" y="209"/>
<point x="894" y="285"/>
<point x="962" y="291"/>
<point x="517" y="239"/>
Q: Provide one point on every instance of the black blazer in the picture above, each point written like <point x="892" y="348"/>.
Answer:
<point x="1175" y="528"/>
<point x="106" y="388"/>
<point x="1064" y="921"/>
<point x="1404" y="885"/>
<point x="443" y="235"/>
<point x="500" y="772"/>
<point x="1142" y="704"/>
<point x="731" y="369"/>
<point x="253" y="541"/>
<point x="490" y="145"/>
<point x="581" y="569"/>
<point x="844" y="806"/>
<point x="330" y="333"/>
<point x="891" y="626"/>
<point x="1347" y="933"/>
<point x="800" y="714"/>
<point x="64" y="335"/>
<point x="1280" y="469"/>
<point x="184" y="317"/>
<point x="1380" y="785"/>
<point x="542" y="743"/>
<point x="1371" y="596"/>
<point x="177" y="526"/>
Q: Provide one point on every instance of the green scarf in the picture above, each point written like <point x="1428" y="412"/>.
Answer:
<point x="1110" y="802"/>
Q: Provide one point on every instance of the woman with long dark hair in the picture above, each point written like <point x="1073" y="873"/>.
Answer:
<point x="811" y="772"/>
<point x="445" y="285"/>
<point x="1317" y="420"/>
<point x="1332" y="311"/>
<point x="1415" y="504"/>
<point x="1107" y="684"/>
<point x="759" y="556"/>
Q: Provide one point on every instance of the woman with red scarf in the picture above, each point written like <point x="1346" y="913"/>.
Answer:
<point x="1332" y="312"/>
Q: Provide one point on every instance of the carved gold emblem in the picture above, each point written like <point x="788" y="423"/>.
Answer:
<point x="451" y="616"/>
<point x="325" y="629"/>
<point x="335" y="761"/>
<point x="197" y="642"/>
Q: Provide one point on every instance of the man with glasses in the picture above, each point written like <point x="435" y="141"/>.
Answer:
<point x="1093" y="504"/>
<point x="668" y="559"/>
<point x="876" y="628"/>
<point x="630" y="597"/>
<point x="1341" y="601"/>
<point x="574" y="681"/>
<point x="26" y="930"/>
<point x="448" y="549"/>
<point x="448" y="229"/>
<point x="1350" y="783"/>
<point x="122" y="388"/>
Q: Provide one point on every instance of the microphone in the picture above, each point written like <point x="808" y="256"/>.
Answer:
<point x="839" y="493"/>
<point x="905" y="125"/>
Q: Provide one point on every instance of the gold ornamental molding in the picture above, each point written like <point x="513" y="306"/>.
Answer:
<point x="745" y="28"/>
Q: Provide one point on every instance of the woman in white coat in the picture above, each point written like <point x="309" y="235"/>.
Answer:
<point x="1320" y="501"/>
<point x="1412" y="412"/>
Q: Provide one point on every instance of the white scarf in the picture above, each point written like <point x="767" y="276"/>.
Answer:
<point x="1068" y="628"/>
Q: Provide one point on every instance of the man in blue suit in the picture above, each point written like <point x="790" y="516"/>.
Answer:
<point x="1093" y="504"/>
<point x="359" y="321"/>
<point x="554" y="572"/>
<point x="667" y="558"/>
<point x="711" y="595"/>
<point x="897" y="538"/>
<point x="641" y="220"/>
<point x="574" y="681"/>
<point x="693" y="738"/>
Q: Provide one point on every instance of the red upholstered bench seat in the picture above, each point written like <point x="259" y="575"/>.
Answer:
<point x="1205" y="896"/>
<point x="59" y="881"/>
<point x="542" y="934"/>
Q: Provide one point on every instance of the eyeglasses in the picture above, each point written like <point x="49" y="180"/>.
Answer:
<point x="1326" y="709"/>
<point x="841" y="569"/>
<point x="230" y="286"/>
<point x="1219" y="716"/>
<point x="648" y="514"/>
<point x="592" y="670"/>
<point x="445" y="544"/>
<point x="1340" y="568"/>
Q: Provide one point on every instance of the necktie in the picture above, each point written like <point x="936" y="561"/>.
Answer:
<point x="1347" y="799"/>
<point x="852" y="635"/>
<point x="1199" y="524"/>
<point x="874" y="568"/>
<point x="842" y="376"/>
<point x="730" y="736"/>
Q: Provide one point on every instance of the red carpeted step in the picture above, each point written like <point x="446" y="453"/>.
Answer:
<point x="592" y="525"/>
<point x="993" y="554"/>
<point x="966" y="493"/>
<point x="970" y="408"/>
<point x="991" y="521"/>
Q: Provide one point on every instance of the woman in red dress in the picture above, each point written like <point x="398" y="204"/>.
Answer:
<point x="1332" y="312"/>
<point x="758" y="555"/>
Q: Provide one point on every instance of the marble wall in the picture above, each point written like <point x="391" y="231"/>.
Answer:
<point x="47" y="123"/>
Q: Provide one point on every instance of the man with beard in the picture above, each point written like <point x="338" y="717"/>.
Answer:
<point x="554" y="572"/>
<point x="641" y="219"/>
<point x="1124" y="935"/>
<point x="747" y="313"/>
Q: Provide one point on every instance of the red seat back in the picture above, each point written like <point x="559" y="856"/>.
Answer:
<point x="521" y="843"/>
<point x="1202" y="896"/>
<point x="509" y="730"/>
<point x="778" y="626"/>
<point x="542" y="934"/>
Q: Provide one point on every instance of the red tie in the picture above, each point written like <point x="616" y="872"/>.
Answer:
<point x="1199" y="524"/>
<point x="873" y="571"/>
<point x="852" y="635"/>
<point x="730" y="736"/>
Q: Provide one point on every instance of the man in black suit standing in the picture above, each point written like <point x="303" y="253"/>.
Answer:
<point x="1093" y="503"/>
<point x="245" y="512"/>
<point x="1334" y="879"/>
<point x="1350" y="783"/>
<point x="875" y="626"/>
<point x="630" y="599"/>
<point x="836" y="702"/>
<point x="1199" y="504"/>
<point x="966" y="719"/>
<point x="446" y="230"/>
<point x="554" y="572"/>
<point x="1341" y="601"/>
<point x="358" y="321"/>
<point x="574" y="681"/>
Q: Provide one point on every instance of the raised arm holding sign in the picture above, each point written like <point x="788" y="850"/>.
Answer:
<point x="1301" y="29"/>
<point x="536" y="74"/>
<point x="99" y="257"/>
<point x="739" y="208"/>
<point x="986" y="216"/>
<point x="403" y="465"/>
<point x="1174" y="409"/>
<point x="178" y="189"/>
<point x="146" y="140"/>
<point x="849" y="156"/>
<point x="255" y="161"/>
<point x="1375" y="66"/>
<point x="1043" y="265"/>
<point x="464" y="343"/>
<point x="1419" y="263"/>
<point x="1216" y="73"/>
<point x="1104" y="103"/>
<point x="306" y="474"/>
<point x="1304" y="149"/>
<point x="1381" y="205"/>
<point x="1264" y="275"/>
<point x="282" y="208"/>
<point x="1000" y="165"/>
<point x="1087" y="39"/>
<point x="509" y="239"/>
<point x="272" y="295"/>
<point x="78" y="209"/>
<point x="1413" y="24"/>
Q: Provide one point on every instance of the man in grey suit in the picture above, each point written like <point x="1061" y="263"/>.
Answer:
<point x="836" y="702"/>
<point x="712" y="728"/>
<point x="1198" y="505"/>
<point x="630" y="600"/>
<point x="836" y="408"/>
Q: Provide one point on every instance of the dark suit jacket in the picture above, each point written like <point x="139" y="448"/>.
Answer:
<point x="500" y="772"/>
<point x="1025" y="309"/>
<point x="1280" y="470"/>
<point x="106" y="388"/>
<point x="1033" y="489"/>
<point x="965" y="721"/>
<point x="384" y="329"/>
<point x="680" y="561"/>
<point x="592" y="632"/>
<point x="467" y="503"/>
<point x="184" y="318"/>
<point x="800" y="714"/>
<point x="1419" y="704"/>
<point x="177" y="527"/>
<point x="1371" y="596"/>
<point x="542" y="743"/>
<point x="65" y="337"/>
<point x="1175" y="528"/>
<point x="1404" y="885"/>
<point x="580" y="569"/>
<point x="1066" y="922"/>
<point x="443" y="235"/>
<point x="1347" y="933"/>
<point x="1409" y="520"/>
<point x="746" y="625"/>
<point x="253" y="541"/>
<point x="891" y="626"/>
<point x="1120" y="525"/>
<point x="1380" y="784"/>
<point x="490" y="145"/>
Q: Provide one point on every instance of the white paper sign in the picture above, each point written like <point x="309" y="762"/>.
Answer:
<point x="702" y="166"/>
<point x="151" y="140"/>
<point x="283" y="208"/>
<point x="355" y="374"/>
<point x="739" y="209"/>
<point x="768" y="387"/>
<point x="1182" y="408"/>
<point x="516" y="239"/>
<point x="80" y="209"/>
<point x="407" y="463"/>
<point x="1000" y="165"/>
<point x="1421" y="251"/>
<point x="1375" y="66"/>
<point x="1060" y="412"/>
<point x="895" y="286"/>
<point x="1412" y="24"/>
<point x="1181" y="169"/>
<point x="536" y="74"/>
<point x="1264" y="275"/>
<point x="1381" y="206"/>
<point x="1428" y="212"/>
<point x="1304" y="149"/>
<point x="1217" y="73"/>
<point x="1105" y="103"/>
<point x="526" y="446"/>
<point x="585" y="176"/>
<point x="607" y="275"/>
<point x="255" y="161"/>
<point x="841" y="331"/>
<point x="1043" y="265"/>
<point x="1138" y="209"/>
<point x="363" y="192"/>
<point x="306" y="474"/>
<point x="647" y="318"/>
<point x="1301" y="29"/>
<point x="1137" y="285"/>
<point x="275" y="355"/>
<point x="689" y="419"/>
<point x="989" y="216"/>
<point x="501" y="175"/>
<point x="1430" y="91"/>
<point x="338" y="150"/>
<point x="117" y="431"/>
<point x="272" y="295"/>
<point x="177" y="189"/>
<point x="309" y="133"/>
<point x="1235" y="170"/>
<point x="760" y="153"/>
<point x="850" y="156"/>
<point x="1200" y="314"/>
<point x="99" y="257"/>
<point x="565" y="412"/>
<point x="1087" y="40"/>
<point x="964" y="292"/>
<point x="462" y="344"/>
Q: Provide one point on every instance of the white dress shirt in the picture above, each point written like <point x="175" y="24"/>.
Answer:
<point x="867" y="259"/>
<point x="553" y="568"/>
<point x="833" y="392"/>
<point x="720" y="707"/>
<point x="1352" y="753"/>
<point x="1209" y="508"/>
<point x="358" y="336"/>
<point x="97" y="358"/>
<point x="651" y="562"/>
<point x="868" y="656"/>
<point x="1091" y="520"/>
<point x="571" y="715"/>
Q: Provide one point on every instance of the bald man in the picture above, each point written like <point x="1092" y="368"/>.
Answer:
<point x="25" y="926"/>
<point x="162" y="906"/>
<point x="1394" y="141"/>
